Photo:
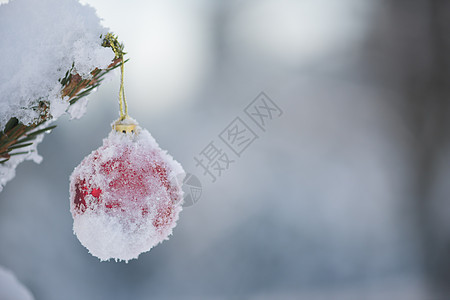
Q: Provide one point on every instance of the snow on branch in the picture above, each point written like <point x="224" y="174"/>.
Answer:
<point x="52" y="54"/>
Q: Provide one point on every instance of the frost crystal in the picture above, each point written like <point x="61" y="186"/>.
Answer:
<point x="41" y="41"/>
<point x="125" y="197"/>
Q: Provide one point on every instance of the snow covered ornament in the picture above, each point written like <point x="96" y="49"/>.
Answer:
<point x="125" y="197"/>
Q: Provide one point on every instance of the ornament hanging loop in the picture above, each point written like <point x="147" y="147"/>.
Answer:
<point x="124" y="124"/>
<point x="122" y="101"/>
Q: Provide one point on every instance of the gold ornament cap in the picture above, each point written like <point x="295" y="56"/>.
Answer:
<point x="126" y="125"/>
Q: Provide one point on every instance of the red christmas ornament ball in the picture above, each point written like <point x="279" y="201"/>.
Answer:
<point x="125" y="197"/>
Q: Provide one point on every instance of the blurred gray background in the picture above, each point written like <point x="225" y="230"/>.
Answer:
<point x="344" y="196"/>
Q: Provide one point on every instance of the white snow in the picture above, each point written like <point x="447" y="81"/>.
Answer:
<point x="40" y="40"/>
<point x="78" y="110"/>
<point x="140" y="198"/>
<point x="8" y="169"/>
<point x="11" y="288"/>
